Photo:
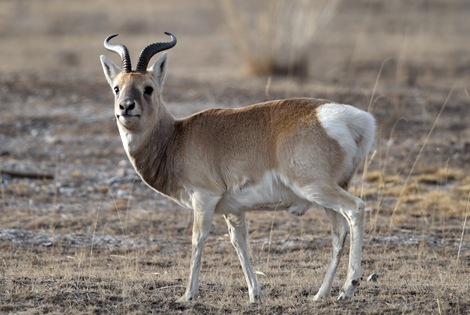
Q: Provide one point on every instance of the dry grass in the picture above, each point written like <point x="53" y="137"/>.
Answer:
<point x="60" y="279"/>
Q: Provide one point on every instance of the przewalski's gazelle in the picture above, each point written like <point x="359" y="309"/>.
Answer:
<point x="279" y="155"/>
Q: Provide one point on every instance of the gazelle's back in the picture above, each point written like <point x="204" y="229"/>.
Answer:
<point x="302" y="140"/>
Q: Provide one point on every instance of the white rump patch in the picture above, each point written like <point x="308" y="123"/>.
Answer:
<point x="352" y="128"/>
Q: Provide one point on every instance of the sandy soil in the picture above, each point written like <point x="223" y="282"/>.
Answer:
<point x="79" y="231"/>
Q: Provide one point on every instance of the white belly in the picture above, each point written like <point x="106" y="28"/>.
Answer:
<point x="271" y="193"/>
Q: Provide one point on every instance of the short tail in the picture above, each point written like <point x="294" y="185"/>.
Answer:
<point x="363" y="130"/>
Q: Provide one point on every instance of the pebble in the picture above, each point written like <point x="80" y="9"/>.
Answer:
<point x="373" y="277"/>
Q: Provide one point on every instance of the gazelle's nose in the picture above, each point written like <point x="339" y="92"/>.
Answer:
<point x="126" y="106"/>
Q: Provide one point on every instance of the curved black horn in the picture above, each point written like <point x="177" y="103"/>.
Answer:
<point x="149" y="51"/>
<point x="122" y="51"/>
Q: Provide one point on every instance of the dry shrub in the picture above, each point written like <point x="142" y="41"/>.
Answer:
<point x="275" y="37"/>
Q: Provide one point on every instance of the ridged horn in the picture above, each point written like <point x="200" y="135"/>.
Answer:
<point x="122" y="51"/>
<point x="149" y="51"/>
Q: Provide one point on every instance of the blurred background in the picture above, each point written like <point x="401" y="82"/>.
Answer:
<point x="342" y="42"/>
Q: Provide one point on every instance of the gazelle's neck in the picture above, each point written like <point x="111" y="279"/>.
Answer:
<point x="148" y="150"/>
<point x="156" y="130"/>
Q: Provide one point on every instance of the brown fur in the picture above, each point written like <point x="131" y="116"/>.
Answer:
<point x="213" y="145"/>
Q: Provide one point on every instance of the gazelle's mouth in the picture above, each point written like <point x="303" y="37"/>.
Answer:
<point x="126" y="116"/>
<point x="128" y="121"/>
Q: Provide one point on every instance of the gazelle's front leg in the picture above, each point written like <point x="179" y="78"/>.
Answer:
<point x="238" y="236"/>
<point x="203" y="208"/>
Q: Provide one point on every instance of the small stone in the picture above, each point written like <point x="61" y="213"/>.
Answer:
<point x="121" y="193"/>
<point x="373" y="277"/>
<point x="75" y="174"/>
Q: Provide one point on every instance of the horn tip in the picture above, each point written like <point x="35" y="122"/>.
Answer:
<point x="169" y="34"/>
<point x="110" y="37"/>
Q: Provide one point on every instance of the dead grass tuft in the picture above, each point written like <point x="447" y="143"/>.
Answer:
<point x="275" y="37"/>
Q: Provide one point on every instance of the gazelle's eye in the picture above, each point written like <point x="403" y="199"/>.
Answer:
<point x="148" y="90"/>
<point x="116" y="90"/>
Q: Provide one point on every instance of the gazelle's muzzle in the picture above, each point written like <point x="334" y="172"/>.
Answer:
<point x="128" y="114"/>
<point x="128" y="108"/>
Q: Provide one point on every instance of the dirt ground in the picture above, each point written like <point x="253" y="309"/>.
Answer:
<point x="80" y="232"/>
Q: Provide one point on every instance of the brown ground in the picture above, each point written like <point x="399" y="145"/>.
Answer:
<point x="93" y="239"/>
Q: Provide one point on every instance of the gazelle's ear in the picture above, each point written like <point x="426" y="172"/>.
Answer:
<point x="110" y="69"/>
<point x="158" y="70"/>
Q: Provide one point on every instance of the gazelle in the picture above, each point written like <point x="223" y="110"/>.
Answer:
<point x="286" y="154"/>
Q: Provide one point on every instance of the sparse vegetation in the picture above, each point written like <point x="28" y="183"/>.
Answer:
<point x="276" y="37"/>
<point x="95" y="239"/>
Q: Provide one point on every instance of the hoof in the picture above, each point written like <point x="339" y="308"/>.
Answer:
<point x="348" y="291"/>
<point x="184" y="299"/>
<point x="255" y="299"/>
<point x="342" y="296"/>
<point x="319" y="296"/>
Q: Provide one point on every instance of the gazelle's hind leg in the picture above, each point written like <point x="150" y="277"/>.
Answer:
<point x="352" y="208"/>
<point x="339" y="229"/>
<point x="238" y="236"/>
